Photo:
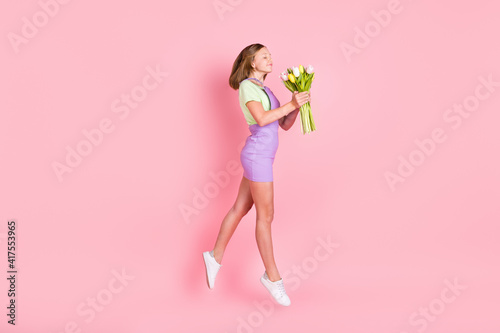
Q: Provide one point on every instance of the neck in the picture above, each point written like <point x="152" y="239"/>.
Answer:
<point x="259" y="76"/>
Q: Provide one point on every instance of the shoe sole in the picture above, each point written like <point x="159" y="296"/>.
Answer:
<point x="206" y="270"/>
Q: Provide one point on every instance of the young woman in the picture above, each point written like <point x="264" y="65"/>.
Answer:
<point x="264" y="114"/>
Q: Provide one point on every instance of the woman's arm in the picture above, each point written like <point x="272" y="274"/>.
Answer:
<point x="287" y="121"/>
<point x="263" y="117"/>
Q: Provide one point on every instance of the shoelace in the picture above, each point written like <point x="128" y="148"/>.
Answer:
<point x="281" y="289"/>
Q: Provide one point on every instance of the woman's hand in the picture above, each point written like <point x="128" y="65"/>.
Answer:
<point x="299" y="99"/>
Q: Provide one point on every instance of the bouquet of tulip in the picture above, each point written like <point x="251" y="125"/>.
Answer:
<point x="298" y="79"/>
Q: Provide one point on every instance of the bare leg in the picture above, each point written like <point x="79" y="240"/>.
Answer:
<point x="262" y="194"/>
<point x="243" y="204"/>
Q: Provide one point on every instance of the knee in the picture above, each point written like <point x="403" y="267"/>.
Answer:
<point x="266" y="217"/>
<point x="241" y="210"/>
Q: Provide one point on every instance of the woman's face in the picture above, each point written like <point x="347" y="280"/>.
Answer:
<point x="263" y="61"/>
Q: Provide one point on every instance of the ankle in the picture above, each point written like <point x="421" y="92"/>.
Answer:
<point x="217" y="256"/>
<point x="273" y="278"/>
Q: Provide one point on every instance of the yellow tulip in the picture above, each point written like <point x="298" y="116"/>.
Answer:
<point x="291" y="77"/>
<point x="301" y="69"/>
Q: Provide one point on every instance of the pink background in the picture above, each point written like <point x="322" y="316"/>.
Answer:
<point x="119" y="210"/>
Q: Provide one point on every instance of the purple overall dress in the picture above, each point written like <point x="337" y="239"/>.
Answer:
<point x="257" y="156"/>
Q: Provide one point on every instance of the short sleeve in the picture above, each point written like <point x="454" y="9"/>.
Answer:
<point x="249" y="92"/>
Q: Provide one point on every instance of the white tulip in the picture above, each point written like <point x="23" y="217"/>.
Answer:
<point x="284" y="77"/>
<point x="310" y="69"/>
<point x="296" y="71"/>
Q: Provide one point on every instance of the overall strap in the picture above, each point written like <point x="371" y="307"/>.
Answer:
<point x="252" y="78"/>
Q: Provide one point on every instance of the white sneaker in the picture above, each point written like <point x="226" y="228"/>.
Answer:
<point x="212" y="268"/>
<point x="276" y="289"/>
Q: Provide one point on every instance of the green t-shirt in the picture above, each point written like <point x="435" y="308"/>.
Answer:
<point x="250" y="91"/>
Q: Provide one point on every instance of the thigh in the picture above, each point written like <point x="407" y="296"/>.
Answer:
<point x="244" y="200"/>
<point x="263" y="197"/>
